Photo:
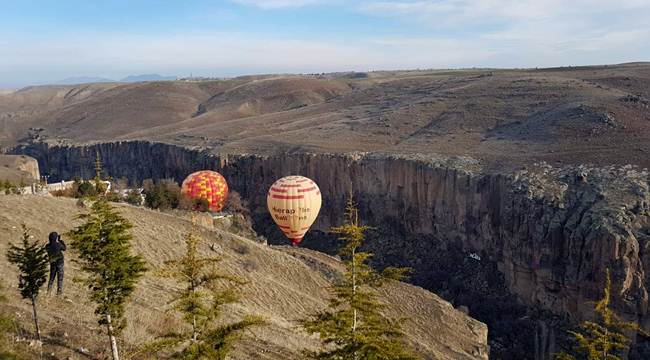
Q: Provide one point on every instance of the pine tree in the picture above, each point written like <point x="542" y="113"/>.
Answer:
<point x="205" y="290"/>
<point x="100" y="187"/>
<point x="102" y="243"/>
<point x="98" y="167"/>
<point x="32" y="261"/>
<point x="604" y="340"/>
<point x="353" y="327"/>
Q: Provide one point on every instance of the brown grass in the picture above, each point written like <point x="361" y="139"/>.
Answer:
<point x="282" y="288"/>
<point x="501" y="116"/>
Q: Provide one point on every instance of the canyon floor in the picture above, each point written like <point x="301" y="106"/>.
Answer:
<point x="285" y="285"/>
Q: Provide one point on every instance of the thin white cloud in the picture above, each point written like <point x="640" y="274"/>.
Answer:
<point x="276" y="4"/>
<point x="447" y="12"/>
<point x="220" y="54"/>
<point x="216" y="54"/>
<point x="540" y="31"/>
<point x="221" y="50"/>
<point x="450" y="34"/>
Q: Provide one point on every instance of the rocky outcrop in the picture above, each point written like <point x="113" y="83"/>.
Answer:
<point x="18" y="169"/>
<point x="524" y="250"/>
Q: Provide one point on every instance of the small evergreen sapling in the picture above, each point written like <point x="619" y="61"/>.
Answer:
<point x="353" y="328"/>
<point x="100" y="186"/>
<point x="32" y="262"/>
<point x="605" y="339"/>
<point x="102" y="244"/>
<point x="205" y="290"/>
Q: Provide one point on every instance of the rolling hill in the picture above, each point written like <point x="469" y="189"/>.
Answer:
<point x="520" y="167"/>
<point x="563" y="115"/>
<point x="285" y="285"/>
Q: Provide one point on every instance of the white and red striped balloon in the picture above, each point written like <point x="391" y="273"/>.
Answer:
<point x="294" y="203"/>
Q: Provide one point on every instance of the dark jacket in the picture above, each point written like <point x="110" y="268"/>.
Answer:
<point x="55" y="248"/>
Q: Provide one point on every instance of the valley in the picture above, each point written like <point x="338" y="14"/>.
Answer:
<point x="508" y="191"/>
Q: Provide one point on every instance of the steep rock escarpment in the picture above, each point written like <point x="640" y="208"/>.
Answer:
<point x="524" y="250"/>
<point x="18" y="169"/>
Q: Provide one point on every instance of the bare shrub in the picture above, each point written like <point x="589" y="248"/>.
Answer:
<point x="121" y="184"/>
<point x="163" y="195"/>
<point x="113" y="196"/>
<point x="236" y="205"/>
<point x="241" y="248"/>
<point x="187" y="203"/>
<point x="241" y="226"/>
<point x="242" y="222"/>
<point x="70" y="192"/>
<point x="134" y="197"/>
<point x="171" y="185"/>
<point x="147" y="185"/>
<point x="249" y="264"/>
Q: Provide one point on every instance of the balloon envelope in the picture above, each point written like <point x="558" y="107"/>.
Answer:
<point x="208" y="185"/>
<point x="294" y="203"/>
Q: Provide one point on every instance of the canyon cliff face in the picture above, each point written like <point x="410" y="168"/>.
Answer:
<point x="524" y="250"/>
<point x="17" y="169"/>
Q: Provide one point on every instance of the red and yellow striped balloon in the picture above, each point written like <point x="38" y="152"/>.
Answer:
<point x="294" y="203"/>
<point x="208" y="185"/>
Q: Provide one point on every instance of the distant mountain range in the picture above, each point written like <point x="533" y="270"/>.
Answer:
<point x="130" y="78"/>
<point x="82" y="80"/>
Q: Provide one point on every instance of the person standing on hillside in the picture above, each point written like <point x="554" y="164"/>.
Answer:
<point x="55" y="250"/>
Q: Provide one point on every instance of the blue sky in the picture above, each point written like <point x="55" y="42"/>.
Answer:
<point x="45" y="41"/>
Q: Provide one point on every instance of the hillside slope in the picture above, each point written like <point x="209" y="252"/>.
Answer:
<point x="286" y="284"/>
<point x="595" y="114"/>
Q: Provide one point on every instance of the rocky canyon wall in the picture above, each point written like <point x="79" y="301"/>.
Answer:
<point x="538" y="238"/>
<point x="19" y="169"/>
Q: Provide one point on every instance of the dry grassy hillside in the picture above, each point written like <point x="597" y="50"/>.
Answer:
<point x="593" y="114"/>
<point x="286" y="284"/>
<point x="29" y="107"/>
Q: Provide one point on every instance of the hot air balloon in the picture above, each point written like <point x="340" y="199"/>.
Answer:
<point x="294" y="203"/>
<point x="208" y="185"/>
